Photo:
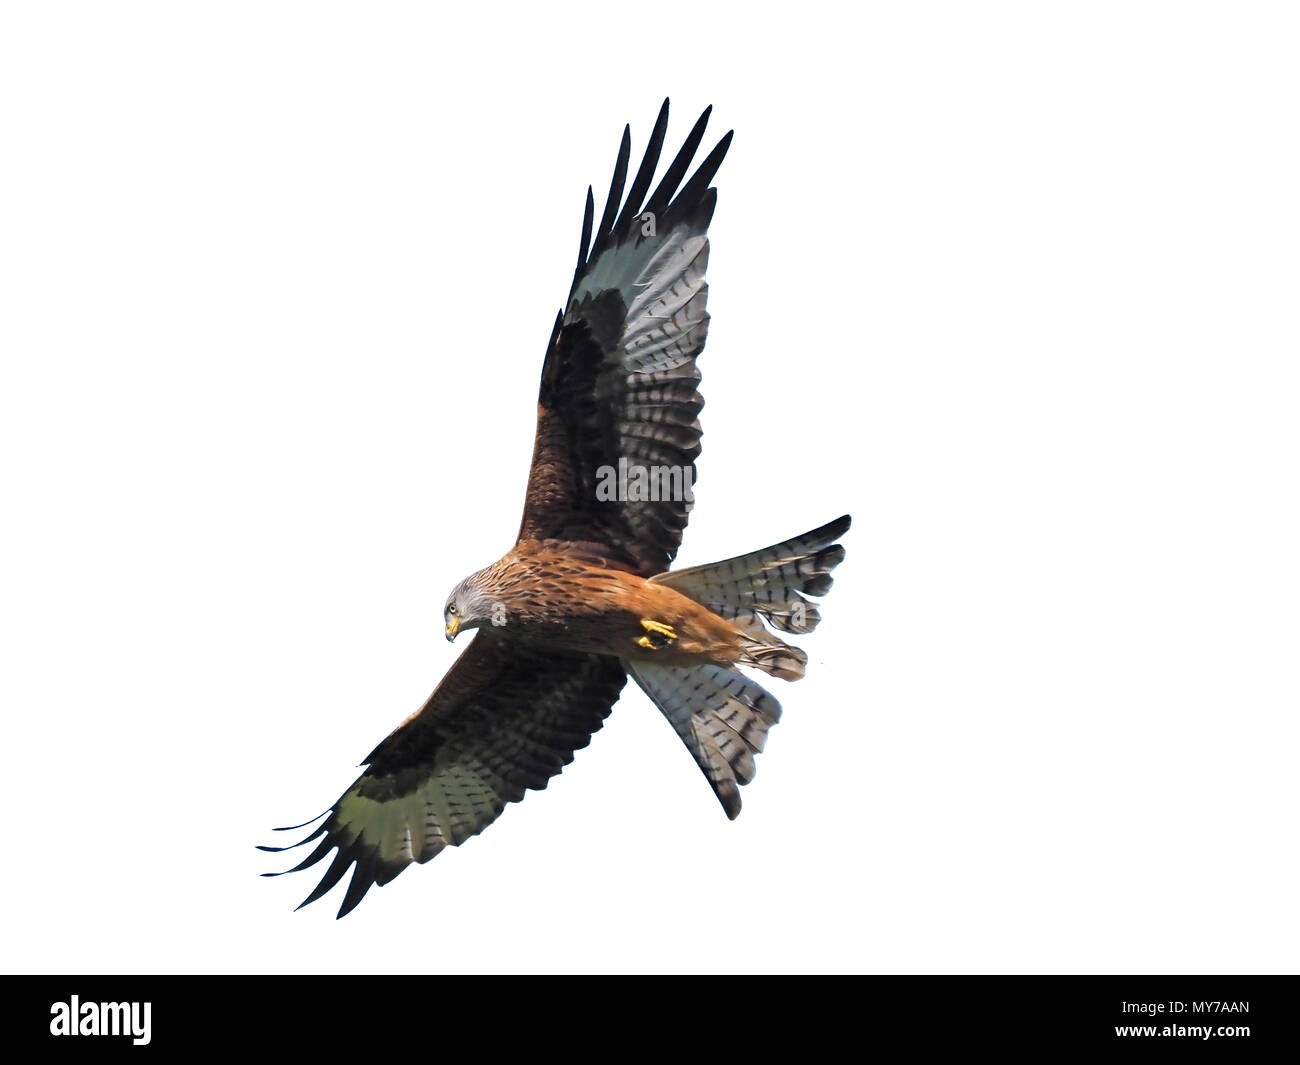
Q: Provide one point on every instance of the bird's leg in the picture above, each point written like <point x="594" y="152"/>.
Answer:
<point x="658" y="634"/>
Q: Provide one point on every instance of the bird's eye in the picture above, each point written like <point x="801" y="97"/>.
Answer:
<point x="452" y="609"/>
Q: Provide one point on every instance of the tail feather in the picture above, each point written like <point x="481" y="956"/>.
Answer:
<point x="721" y="716"/>
<point x="773" y="583"/>
<point x="773" y="656"/>
<point x="770" y="585"/>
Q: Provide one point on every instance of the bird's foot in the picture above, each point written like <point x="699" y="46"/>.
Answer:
<point x="657" y="634"/>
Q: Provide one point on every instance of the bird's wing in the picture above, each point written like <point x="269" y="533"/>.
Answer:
<point x="505" y="718"/>
<point x="619" y="381"/>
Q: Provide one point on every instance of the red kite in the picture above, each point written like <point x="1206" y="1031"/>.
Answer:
<point x="585" y="597"/>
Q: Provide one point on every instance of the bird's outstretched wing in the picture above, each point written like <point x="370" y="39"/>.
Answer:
<point x="505" y="718"/>
<point x="620" y="381"/>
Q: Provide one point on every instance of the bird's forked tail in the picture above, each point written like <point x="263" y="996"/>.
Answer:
<point x="769" y="585"/>
<point x="721" y="715"/>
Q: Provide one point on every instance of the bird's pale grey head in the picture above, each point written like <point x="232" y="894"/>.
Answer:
<point x="468" y="606"/>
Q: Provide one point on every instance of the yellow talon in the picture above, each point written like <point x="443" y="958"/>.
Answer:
<point x="659" y="627"/>
<point x="658" y="634"/>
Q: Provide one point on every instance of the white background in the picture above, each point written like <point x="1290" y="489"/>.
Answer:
<point x="1014" y="284"/>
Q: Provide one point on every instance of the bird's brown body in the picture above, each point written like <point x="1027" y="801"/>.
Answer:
<point x="553" y="597"/>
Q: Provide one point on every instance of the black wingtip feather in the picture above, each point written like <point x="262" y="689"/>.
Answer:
<point x="615" y="196"/>
<point x="363" y="877"/>
<point x="294" y="828"/>
<point x="588" y="214"/>
<point x="291" y="846"/>
<point x="342" y="860"/>
<point x="677" y="169"/>
<point x="323" y="848"/>
<point x="703" y="215"/>
<point x="694" y="189"/>
<point x="645" y="172"/>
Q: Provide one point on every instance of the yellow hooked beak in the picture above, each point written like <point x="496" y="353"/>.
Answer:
<point x="453" y="627"/>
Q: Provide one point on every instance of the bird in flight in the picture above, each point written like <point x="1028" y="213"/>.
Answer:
<point x="585" y="598"/>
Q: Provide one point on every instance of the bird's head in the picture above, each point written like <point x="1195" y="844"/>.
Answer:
<point x="467" y="607"/>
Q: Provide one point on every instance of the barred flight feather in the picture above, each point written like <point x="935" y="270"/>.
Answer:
<point x="721" y="716"/>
